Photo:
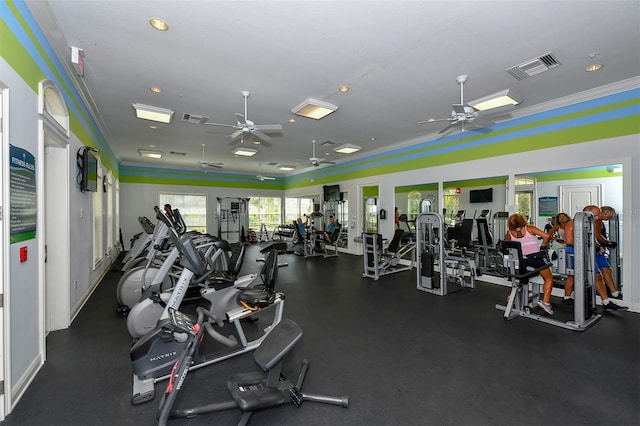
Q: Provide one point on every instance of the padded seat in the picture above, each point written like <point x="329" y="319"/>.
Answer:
<point x="248" y="391"/>
<point x="262" y="295"/>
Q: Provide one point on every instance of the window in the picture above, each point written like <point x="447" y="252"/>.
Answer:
<point x="265" y="211"/>
<point x="413" y="204"/>
<point x="451" y="203"/>
<point x="525" y="195"/>
<point x="192" y="207"/>
<point x="295" y="207"/>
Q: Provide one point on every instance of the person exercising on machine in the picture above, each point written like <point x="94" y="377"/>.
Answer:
<point x="331" y="226"/>
<point x="602" y="239"/>
<point x="607" y="304"/>
<point x="527" y="235"/>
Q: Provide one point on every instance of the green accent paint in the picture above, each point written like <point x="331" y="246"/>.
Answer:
<point x="598" y="173"/>
<point x="418" y="188"/>
<point x="369" y="191"/>
<point x="21" y="61"/>
<point x="18" y="238"/>
<point x="498" y="180"/>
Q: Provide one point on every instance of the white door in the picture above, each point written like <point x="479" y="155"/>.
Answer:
<point x="56" y="257"/>
<point x="573" y="198"/>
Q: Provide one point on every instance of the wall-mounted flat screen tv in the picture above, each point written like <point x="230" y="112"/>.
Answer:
<point x="481" y="195"/>
<point x="331" y="192"/>
<point x="88" y="164"/>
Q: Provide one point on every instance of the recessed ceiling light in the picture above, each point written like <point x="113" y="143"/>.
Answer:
<point x="343" y="89"/>
<point x="500" y="99"/>
<point x="245" y="152"/>
<point x="594" y="67"/>
<point x="158" y="24"/>
<point x="152" y="146"/>
<point x="286" y="167"/>
<point x="150" y="154"/>
<point x="292" y="120"/>
<point x="148" y="112"/>
<point x="155" y="89"/>
<point x="313" y="108"/>
<point x="153" y="127"/>
<point x="347" y="149"/>
<point x="256" y="142"/>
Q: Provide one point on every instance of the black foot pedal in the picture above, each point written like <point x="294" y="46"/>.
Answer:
<point x="296" y="396"/>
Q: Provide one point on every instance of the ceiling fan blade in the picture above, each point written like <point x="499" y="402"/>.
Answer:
<point x="435" y="120"/>
<point x="268" y="127"/>
<point x="481" y="122"/>
<point x="219" y="124"/>
<point x="236" y="134"/>
<point x="214" y="165"/>
<point x="241" y="118"/>
<point x="260" y="135"/>
<point x="446" y="129"/>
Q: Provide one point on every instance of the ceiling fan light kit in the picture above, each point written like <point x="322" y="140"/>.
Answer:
<point x="461" y="113"/>
<point x="313" y="108"/>
<point x="148" y="112"/>
<point x="496" y="100"/>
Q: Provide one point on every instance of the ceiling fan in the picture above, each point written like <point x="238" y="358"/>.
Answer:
<point x="315" y="161"/>
<point x="244" y="125"/>
<point x="205" y="163"/>
<point x="461" y="113"/>
<point x="262" y="177"/>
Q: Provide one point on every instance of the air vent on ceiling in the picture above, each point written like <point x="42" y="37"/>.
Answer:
<point x="195" y="119"/>
<point x="177" y="153"/>
<point x="327" y="143"/>
<point x="534" y="66"/>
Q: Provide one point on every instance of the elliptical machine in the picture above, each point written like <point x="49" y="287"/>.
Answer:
<point x="153" y="355"/>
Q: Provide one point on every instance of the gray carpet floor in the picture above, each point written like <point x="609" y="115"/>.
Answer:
<point x="403" y="356"/>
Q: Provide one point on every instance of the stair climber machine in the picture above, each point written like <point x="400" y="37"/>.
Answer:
<point x="437" y="269"/>
<point x="153" y="355"/>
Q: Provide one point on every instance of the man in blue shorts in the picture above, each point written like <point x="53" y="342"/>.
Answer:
<point x="607" y="304"/>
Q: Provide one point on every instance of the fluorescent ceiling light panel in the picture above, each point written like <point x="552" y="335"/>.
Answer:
<point x="245" y="152"/>
<point x="500" y="99"/>
<point x="150" y="154"/>
<point x="347" y="149"/>
<point x="286" y="167"/>
<point x="313" y="108"/>
<point x="148" y="112"/>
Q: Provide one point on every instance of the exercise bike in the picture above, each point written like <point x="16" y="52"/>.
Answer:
<point x="153" y="354"/>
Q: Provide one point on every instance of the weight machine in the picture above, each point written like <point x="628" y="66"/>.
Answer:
<point x="233" y="218"/>
<point x="436" y="267"/>
<point x="525" y="294"/>
<point x="378" y="262"/>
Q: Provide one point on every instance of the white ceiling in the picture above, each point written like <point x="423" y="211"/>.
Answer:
<point x="400" y="59"/>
